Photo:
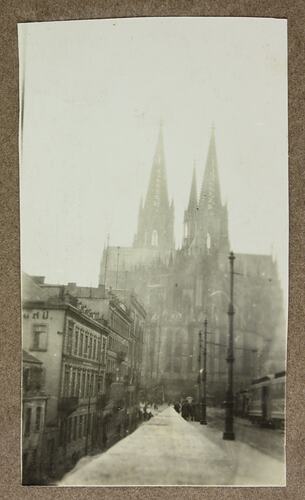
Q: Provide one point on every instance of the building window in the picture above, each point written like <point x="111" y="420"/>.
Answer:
<point x="86" y="346"/>
<point x="40" y="337"/>
<point x="69" y="337"/>
<point x="73" y="386"/>
<point x="82" y="392"/>
<point x="76" y="341"/>
<point x="104" y="344"/>
<point x="27" y="422"/>
<point x="80" y="352"/>
<point x="94" y="349"/>
<point x="80" y="427"/>
<point x="38" y="418"/>
<point x="78" y="384"/>
<point x="66" y="381"/>
<point x="88" y="384"/>
<point x="90" y="347"/>
<point x="154" y="238"/>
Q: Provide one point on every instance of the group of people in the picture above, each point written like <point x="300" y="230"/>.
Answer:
<point x="147" y="410"/>
<point x="186" y="408"/>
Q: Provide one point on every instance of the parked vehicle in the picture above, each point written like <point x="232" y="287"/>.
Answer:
<point x="267" y="400"/>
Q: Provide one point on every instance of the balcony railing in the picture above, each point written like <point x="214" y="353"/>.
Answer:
<point x="67" y="405"/>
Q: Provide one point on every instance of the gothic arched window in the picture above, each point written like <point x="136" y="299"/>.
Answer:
<point x="154" y="238"/>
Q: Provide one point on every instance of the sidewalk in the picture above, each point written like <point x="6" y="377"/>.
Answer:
<point x="167" y="450"/>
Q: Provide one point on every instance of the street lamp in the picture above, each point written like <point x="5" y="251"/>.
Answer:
<point x="200" y="374"/>
<point x="229" y="429"/>
<point x="203" y="419"/>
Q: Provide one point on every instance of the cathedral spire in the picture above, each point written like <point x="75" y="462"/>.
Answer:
<point x="193" y="192"/>
<point x="210" y="191"/>
<point x="157" y="196"/>
<point x="156" y="219"/>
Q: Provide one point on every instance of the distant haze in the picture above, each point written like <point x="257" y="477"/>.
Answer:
<point x="94" y="94"/>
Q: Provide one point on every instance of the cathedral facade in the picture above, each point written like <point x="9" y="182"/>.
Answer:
<point x="181" y="287"/>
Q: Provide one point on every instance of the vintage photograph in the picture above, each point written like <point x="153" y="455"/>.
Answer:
<point x="154" y="251"/>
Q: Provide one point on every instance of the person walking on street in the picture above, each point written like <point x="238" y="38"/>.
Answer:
<point x="177" y="407"/>
<point x="185" y="410"/>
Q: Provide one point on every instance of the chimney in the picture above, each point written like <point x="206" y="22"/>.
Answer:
<point x="39" y="280"/>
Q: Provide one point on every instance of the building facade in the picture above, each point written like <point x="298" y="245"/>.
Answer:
<point x="72" y="345"/>
<point x="91" y="343"/>
<point x="34" y="405"/>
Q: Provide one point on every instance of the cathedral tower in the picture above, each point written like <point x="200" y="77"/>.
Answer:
<point x="212" y="220"/>
<point x="190" y="215"/>
<point x="156" y="215"/>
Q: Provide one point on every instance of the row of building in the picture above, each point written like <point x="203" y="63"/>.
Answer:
<point x="97" y="349"/>
<point x="82" y="372"/>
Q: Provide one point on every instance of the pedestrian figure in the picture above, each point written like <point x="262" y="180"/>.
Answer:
<point x="185" y="410"/>
<point x="177" y="407"/>
<point x="192" y="411"/>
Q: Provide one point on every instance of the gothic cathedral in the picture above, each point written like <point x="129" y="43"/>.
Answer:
<point x="182" y="287"/>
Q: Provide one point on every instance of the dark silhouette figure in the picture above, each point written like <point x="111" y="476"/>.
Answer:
<point x="185" y="410"/>
<point x="177" y="407"/>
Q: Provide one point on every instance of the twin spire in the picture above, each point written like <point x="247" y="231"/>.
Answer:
<point x="210" y="197"/>
<point x="210" y="191"/>
<point x="193" y="202"/>
<point x="157" y="194"/>
<point x="156" y="214"/>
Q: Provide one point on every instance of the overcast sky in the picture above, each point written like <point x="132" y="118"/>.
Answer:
<point x="94" y="94"/>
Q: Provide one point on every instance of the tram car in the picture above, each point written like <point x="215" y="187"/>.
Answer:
<point x="267" y="400"/>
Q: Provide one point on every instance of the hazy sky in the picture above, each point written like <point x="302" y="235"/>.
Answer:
<point x="94" y="94"/>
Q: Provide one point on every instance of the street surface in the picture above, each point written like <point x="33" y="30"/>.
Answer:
<point x="167" y="450"/>
<point x="268" y="441"/>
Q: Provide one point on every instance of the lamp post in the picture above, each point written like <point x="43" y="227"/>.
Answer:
<point x="229" y="427"/>
<point x="200" y="373"/>
<point x="203" y="419"/>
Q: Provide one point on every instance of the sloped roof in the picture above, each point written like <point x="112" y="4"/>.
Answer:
<point x="32" y="291"/>
<point x="28" y="358"/>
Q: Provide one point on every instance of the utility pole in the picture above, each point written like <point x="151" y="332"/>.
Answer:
<point x="203" y="419"/>
<point x="229" y="424"/>
<point x="117" y="267"/>
<point x="200" y="374"/>
<point x="106" y="260"/>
